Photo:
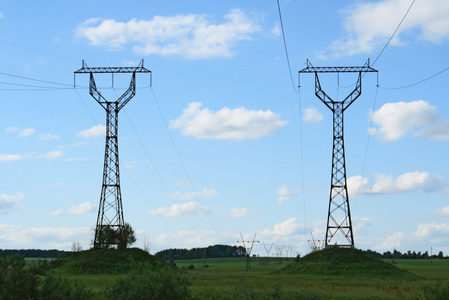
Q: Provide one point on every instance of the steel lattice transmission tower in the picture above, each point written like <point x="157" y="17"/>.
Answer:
<point x="110" y="210"/>
<point x="339" y="224"/>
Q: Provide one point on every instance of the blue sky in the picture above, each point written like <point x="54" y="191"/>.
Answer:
<point x="224" y="143"/>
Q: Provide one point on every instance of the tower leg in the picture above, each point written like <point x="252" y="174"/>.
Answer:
<point x="339" y="224"/>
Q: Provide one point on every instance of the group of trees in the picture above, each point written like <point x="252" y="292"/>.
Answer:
<point x="215" y="251"/>
<point x="35" y="253"/>
<point x="406" y="255"/>
<point x="108" y="236"/>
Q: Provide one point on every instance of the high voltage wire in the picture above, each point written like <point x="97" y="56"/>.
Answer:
<point x="394" y="33"/>
<point x="285" y="47"/>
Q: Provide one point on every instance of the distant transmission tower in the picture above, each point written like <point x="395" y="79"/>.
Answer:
<point x="110" y="210"/>
<point x="248" y="250"/>
<point x="339" y="224"/>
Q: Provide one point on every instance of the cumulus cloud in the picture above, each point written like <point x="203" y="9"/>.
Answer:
<point x="432" y="229"/>
<point x="9" y="202"/>
<point x="10" y="157"/>
<point x="48" y="137"/>
<point x="22" y="132"/>
<point x="369" y="25"/>
<point x="405" y="183"/>
<point x="93" y="132"/>
<point x="395" y="120"/>
<point x="16" y="236"/>
<point x="284" y="193"/>
<point x="238" y="212"/>
<point x="443" y="212"/>
<point x="312" y="115"/>
<point x="227" y="124"/>
<point x="52" y="154"/>
<point x="81" y="209"/>
<point x="205" y="193"/>
<point x="191" y="36"/>
<point x="191" y="208"/>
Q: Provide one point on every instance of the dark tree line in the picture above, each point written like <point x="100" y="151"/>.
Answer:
<point x="215" y="251"/>
<point x="37" y="253"/>
<point x="406" y="255"/>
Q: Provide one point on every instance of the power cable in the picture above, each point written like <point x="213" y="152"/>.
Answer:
<point x="180" y="159"/>
<point x="285" y="47"/>
<point x="416" y="83"/>
<point x="39" y="51"/>
<point x="397" y="28"/>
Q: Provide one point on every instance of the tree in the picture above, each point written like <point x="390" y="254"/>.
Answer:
<point x="123" y="236"/>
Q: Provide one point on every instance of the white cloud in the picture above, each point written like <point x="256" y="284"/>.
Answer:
<point x="397" y="119"/>
<point x="205" y="193"/>
<point x="22" y="132"/>
<point x="48" y="137"/>
<point x="191" y="36"/>
<point x="191" y="208"/>
<point x="284" y="193"/>
<point x="26" y="132"/>
<point x="52" y="155"/>
<point x="58" y="212"/>
<point x="276" y="30"/>
<point x="369" y="25"/>
<point x="439" y="131"/>
<point x="391" y="242"/>
<point x="444" y="212"/>
<point x="288" y="227"/>
<point x="227" y="124"/>
<point x="238" y="213"/>
<point x="20" y="237"/>
<point x="10" y="157"/>
<point x="12" y="129"/>
<point x="9" y="202"/>
<point x="93" y="132"/>
<point x="405" y="183"/>
<point x="81" y="209"/>
<point x="432" y="229"/>
<point x="312" y="115"/>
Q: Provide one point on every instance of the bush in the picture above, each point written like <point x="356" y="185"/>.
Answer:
<point x="15" y="281"/>
<point x="438" y="292"/>
<point x="56" y="288"/>
<point x="164" y="284"/>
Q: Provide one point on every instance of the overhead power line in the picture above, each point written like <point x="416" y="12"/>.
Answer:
<point x="285" y="47"/>
<point x="394" y="33"/>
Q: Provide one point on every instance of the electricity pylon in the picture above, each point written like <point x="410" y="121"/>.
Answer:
<point x="248" y="250"/>
<point x="110" y="209"/>
<point x="339" y="224"/>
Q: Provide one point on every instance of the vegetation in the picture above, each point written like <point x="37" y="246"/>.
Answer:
<point x="215" y="251"/>
<point x="333" y="273"/>
<point x="406" y="255"/>
<point x="108" y="261"/>
<point x="345" y="261"/>
<point x="147" y="283"/>
<point x="123" y="237"/>
<point x="35" y="253"/>
<point x="19" y="282"/>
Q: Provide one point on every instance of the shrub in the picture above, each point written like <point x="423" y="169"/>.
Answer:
<point x="167" y="283"/>
<point x="56" y="288"/>
<point x="15" y="281"/>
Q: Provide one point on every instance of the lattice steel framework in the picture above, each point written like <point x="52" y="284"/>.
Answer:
<point x="110" y="210"/>
<point x="339" y="224"/>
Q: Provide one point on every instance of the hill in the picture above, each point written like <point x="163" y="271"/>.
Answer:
<point x="108" y="261"/>
<point x="345" y="261"/>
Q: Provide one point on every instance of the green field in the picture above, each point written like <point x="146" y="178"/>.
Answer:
<point x="214" y="277"/>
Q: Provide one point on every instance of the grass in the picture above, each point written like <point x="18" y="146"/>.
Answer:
<point x="327" y="275"/>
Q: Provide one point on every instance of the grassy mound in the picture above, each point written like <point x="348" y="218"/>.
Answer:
<point x="109" y="261"/>
<point x="345" y="261"/>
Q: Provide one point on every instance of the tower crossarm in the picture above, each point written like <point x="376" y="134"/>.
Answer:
<point x="349" y="69"/>
<point x="95" y="93"/>
<point x="128" y="94"/>
<point x="139" y="69"/>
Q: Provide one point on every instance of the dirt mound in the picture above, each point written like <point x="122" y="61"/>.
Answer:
<point x="345" y="261"/>
<point x="109" y="261"/>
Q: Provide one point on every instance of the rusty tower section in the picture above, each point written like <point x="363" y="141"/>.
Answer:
<point x="339" y="225"/>
<point x="110" y="209"/>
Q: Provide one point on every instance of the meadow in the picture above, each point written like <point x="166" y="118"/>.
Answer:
<point x="225" y="278"/>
